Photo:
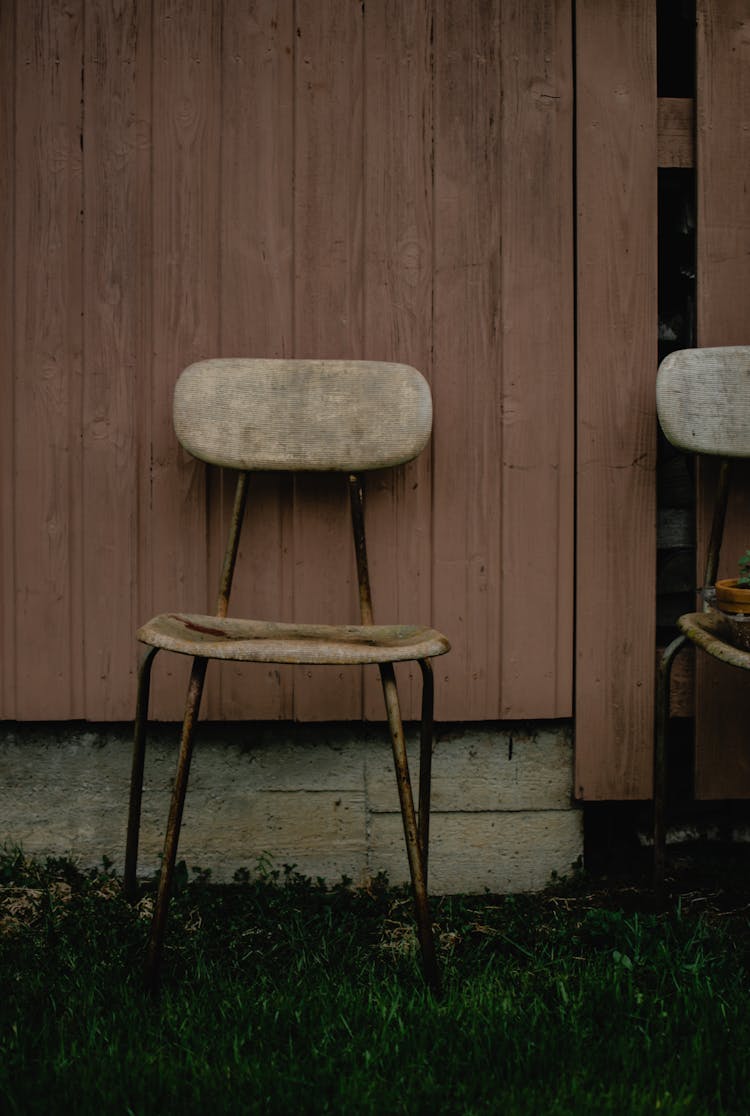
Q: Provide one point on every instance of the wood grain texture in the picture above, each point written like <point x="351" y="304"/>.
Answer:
<point x="723" y="173"/>
<point x="617" y="331"/>
<point x="7" y="332"/>
<point x="398" y="307"/>
<point x="538" y="365"/>
<point x="703" y="399"/>
<point x="328" y="317"/>
<point x="467" y="369"/>
<point x="302" y="415"/>
<point x="325" y="179"/>
<point x="263" y="641"/>
<point x="257" y="319"/>
<point x="185" y="223"/>
<point x="48" y="635"/>
<point x="111" y="277"/>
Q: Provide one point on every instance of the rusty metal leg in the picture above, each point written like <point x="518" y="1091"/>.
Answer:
<point x="660" y="760"/>
<point x="408" y="814"/>
<point x="147" y="655"/>
<point x="425" y="762"/>
<point x="158" y="926"/>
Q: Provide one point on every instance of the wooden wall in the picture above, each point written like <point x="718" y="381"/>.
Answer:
<point x="722" y="705"/>
<point x="319" y="178"/>
<point x="616" y="420"/>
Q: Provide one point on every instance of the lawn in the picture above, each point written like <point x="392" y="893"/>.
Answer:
<point x="280" y="996"/>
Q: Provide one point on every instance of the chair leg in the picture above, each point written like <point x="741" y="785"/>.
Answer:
<point x="411" y="834"/>
<point x="147" y="656"/>
<point x="158" y="926"/>
<point x="660" y="760"/>
<point x="425" y="762"/>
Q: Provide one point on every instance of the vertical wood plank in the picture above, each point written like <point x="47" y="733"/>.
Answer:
<point x="112" y="275"/>
<point x="256" y="315"/>
<point x="617" y="357"/>
<point x="186" y="158"/>
<point x="723" y="223"/>
<point x="327" y="315"/>
<point x="538" y="390"/>
<point x="48" y="632"/>
<point x="398" y="308"/>
<point x="467" y="370"/>
<point x="7" y="331"/>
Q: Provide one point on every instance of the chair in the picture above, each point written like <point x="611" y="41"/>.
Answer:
<point x="703" y="404"/>
<point x="343" y="416"/>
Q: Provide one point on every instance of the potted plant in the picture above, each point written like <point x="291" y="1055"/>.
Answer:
<point x="733" y="593"/>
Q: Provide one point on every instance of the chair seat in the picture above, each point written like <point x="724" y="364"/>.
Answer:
<point x="263" y="641"/>
<point x="713" y="633"/>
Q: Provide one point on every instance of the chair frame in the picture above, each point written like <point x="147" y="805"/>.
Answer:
<point x="416" y="824"/>
<point x="664" y="677"/>
<point x="702" y="401"/>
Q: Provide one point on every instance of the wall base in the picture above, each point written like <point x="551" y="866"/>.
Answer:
<point x="320" y="797"/>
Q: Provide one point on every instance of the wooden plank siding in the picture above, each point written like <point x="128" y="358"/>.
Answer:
<point x="7" y="332"/>
<point x="723" y="223"/>
<point x="617" y="357"/>
<point x="388" y="181"/>
<point x="47" y="361"/>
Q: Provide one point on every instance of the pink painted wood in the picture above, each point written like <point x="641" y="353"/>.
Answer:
<point x="48" y="645"/>
<point x="617" y="358"/>
<point x="265" y="180"/>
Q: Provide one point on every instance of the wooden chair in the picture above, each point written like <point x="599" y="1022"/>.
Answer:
<point x="703" y="403"/>
<point x="345" y="416"/>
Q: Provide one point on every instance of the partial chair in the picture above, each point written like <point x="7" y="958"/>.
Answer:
<point x="703" y="403"/>
<point x="340" y="416"/>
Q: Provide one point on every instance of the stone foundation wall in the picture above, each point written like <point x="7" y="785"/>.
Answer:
<point x="320" y="797"/>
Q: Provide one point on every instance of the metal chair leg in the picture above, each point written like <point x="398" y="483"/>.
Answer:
<point x="425" y="762"/>
<point x="660" y="760"/>
<point x="147" y="656"/>
<point x="158" y="926"/>
<point x="411" y="834"/>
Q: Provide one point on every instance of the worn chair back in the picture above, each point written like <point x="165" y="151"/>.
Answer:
<point x="320" y="415"/>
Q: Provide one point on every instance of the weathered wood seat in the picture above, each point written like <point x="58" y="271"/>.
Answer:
<point x="333" y="416"/>
<point x="703" y="404"/>
<point x="263" y="641"/>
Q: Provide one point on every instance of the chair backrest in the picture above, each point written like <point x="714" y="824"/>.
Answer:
<point x="321" y="415"/>
<point x="703" y="400"/>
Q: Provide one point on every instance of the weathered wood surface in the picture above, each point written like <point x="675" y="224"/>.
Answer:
<point x="392" y="183"/>
<point x="617" y="356"/>
<point x="537" y="405"/>
<point x="703" y="400"/>
<point x="723" y="312"/>
<point x="48" y="622"/>
<point x="113" y="268"/>
<point x="256" y="641"/>
<point x="314" y="415"/>
<point x="7" y="331"/>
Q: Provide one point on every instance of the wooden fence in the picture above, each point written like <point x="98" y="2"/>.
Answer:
<point x="392" y="180"/>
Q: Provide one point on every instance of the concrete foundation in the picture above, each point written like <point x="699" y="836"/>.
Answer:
<point x="320" y="797"/>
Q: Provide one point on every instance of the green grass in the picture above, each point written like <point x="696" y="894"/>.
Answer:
<point x="280" y="996"/>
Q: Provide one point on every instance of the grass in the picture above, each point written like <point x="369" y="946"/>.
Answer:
<point x="280" y="996"/>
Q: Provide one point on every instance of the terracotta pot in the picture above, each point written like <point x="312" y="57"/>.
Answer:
<point x="731" y="599"/>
